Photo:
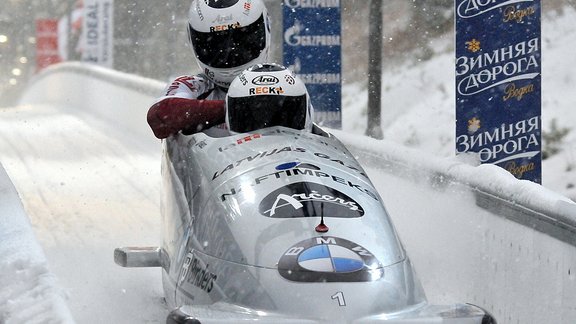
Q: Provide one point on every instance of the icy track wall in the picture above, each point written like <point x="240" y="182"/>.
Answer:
<point x="530" y="253"/>
<point x="79" y="86"/>
<point x="28" y="291"/>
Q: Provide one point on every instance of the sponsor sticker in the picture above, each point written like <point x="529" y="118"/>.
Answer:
<point x="348" y="162"/>
<point x="305" y="199"/>
<point x="265" y="80"/>
<point x="329" y="259"/>
<point x="266" y="90"/>
<point x="303" y="170"/>
<point x="218" y="28"/>
<point x="197" y="273"/>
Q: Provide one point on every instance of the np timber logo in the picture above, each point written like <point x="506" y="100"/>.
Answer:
<point x="473" y="8"/>
<point x="329" y="259"/>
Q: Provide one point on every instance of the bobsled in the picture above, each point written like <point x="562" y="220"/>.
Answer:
<point x="281" y="226"/>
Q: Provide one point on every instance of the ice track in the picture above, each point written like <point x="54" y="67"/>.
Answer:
<point x="90" y="184"/>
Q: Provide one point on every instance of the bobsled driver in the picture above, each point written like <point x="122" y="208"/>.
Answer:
<point x="267" y="95"/>
<point x="227" y="36"/>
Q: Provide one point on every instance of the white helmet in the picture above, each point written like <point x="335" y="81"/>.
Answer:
<point x="228" y="36"/>
<point x="267" y="95"/>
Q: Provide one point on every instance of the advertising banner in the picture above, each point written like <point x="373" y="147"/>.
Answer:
<point x="97" y="32"/>
<point x="46" y="43"/>
<point x="312" y="49"/>
<point x="498" y="84"/>
<point x="69" y="33"/>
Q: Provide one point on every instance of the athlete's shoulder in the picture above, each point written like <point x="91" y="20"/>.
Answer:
<point x="186" y="83"/>
<point x="189" y="87"/>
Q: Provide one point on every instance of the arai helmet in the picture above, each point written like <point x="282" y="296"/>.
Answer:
<point x="228" y="36"/>
<point x="267" y="95"/>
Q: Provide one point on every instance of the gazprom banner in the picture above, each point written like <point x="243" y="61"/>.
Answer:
<point x="97" y="32"/>
<point x="498" y="83"/>
<point x="312" y="49"/>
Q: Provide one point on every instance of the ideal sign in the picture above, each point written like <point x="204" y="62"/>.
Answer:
<point x="97" y="32"/>
<point x="498" y="84"/>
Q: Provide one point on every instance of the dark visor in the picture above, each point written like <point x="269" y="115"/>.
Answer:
<point x="247" y="114"/>
<point x="231" y="47"/>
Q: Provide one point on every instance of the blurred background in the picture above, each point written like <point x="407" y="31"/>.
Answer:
<point x="150" y="36"/>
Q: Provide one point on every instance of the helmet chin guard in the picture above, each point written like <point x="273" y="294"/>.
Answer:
<point x="228" y="36"/>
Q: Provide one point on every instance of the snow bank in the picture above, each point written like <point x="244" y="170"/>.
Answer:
<point x="29" y="293"/>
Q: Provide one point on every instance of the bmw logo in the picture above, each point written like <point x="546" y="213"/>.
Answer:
<point x="329" y="259"/>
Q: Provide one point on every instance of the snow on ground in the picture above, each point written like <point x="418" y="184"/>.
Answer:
<point x="88" y="188"/>
<point x="28" y="293"/>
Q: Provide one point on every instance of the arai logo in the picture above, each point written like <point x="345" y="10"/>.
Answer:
<point x="265" y="80"/>
<point x="329" y="259"/>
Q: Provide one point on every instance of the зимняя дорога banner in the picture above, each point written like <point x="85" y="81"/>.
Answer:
<point x="498" y="84"/>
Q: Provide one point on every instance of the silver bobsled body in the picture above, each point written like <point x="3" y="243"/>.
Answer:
<point x="242" y="240"/>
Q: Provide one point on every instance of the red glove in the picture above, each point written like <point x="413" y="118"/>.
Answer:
<point x="172" y="115"/>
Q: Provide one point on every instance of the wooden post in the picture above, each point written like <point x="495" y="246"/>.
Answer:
<point x="374" y="128"/>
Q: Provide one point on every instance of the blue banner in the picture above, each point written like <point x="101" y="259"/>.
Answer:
<point x="498" y="84"/>
<point x="312" y="49"/>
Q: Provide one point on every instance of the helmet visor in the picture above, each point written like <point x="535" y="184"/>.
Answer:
<point x="246" y="114"/>
<point x="231" y="47"/>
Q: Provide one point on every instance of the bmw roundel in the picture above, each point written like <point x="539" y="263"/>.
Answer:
<point x="329" y="259"/>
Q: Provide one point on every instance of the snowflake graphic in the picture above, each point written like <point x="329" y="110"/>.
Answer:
<point x="473" y="45"/>
<point x="473" y="125"/>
